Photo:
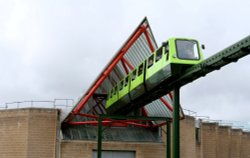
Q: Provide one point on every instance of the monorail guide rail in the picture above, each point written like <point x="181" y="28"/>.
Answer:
<point x="215" y="62"/>
<point x="230" y="54"/>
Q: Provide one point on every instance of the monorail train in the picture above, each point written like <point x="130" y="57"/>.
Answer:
<point x="171" y="59"/>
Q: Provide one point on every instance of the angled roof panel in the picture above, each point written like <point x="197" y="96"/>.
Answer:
<point x="135" y="50"/>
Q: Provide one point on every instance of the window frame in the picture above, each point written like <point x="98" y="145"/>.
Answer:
<point x="126" y="81"/>
<point x="133" y="75"/>
<point x="159" y="51"/>
<point x="177" y="53"/>
<point x="115" y="90"/>
<point x="121" y="84"/>
<point x="149" y="59"/>
<point x="140" y="70"/>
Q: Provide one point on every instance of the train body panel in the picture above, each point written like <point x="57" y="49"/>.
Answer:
<point x="113" y="97"/>
<point x="137" y="82"/>
<point x="123" y="92"/>
<point x="170" y="60"/>
<point x="157" y="77"/>
<point x="124" y="87"/>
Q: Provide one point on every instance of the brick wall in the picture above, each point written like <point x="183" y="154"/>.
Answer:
<point x="215" y="142"/>
<point x="235" y="145"/>
<point x="198" y="150"/>
<point x="245" y="145"/>
<point x="28" y="133"/>
<point x="187" y="137"/>
<point x="13" y="133"/>
<point x="32" y="133"/>
<point x="42" y="133"/>
<point x="209" y="136"/>
<point x="223" y="142"/>
<point x="75" y="149"/>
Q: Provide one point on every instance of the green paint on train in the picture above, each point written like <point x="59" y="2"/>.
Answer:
<point x="171" y="59"/>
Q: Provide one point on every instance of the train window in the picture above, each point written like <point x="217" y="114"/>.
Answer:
<point x="167" y="51"/>
<point x="150" y="60"/>
<point x="111" y="93"/>
<point x="134" y="75"/>
<point x="121" y="85"/>
<point x="126" y="81"/>
<point x="167" y="56"/>
<point x="115" y="90"/>
<point x="158" y="54"/>
<point x="187" y="49"/>
<point x="140" y="70"/>
<point x="166" y="48"/>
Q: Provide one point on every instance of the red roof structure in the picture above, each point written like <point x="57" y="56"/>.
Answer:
<point x="137" y="48"/>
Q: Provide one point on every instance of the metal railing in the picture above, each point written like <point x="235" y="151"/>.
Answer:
<point x="190" y="113"/>
<point x="56" y="103"/>
<point x="65" y="105"/>
<point x="244" y="125"/>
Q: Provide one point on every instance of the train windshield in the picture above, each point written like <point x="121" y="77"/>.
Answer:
<point x="187" y="49"/>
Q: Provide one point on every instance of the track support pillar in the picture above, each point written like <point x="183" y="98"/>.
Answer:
<point x="176" y="124"/>
<point x="168" y="141"/>
<point x="99" y="144"/>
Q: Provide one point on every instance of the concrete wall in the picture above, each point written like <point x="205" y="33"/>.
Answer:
<point x="28" y="133"/>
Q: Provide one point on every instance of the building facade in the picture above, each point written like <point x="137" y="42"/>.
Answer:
<point x="35" y="133"/>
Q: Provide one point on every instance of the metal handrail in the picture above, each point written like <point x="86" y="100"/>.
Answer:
<point x="34" y="103"/>
<point x="190" y="112"/>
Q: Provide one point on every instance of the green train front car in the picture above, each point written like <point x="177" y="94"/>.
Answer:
<point x="176" y="55"/>
<point x="170" y="60"/>
<point x="184" y="51"/>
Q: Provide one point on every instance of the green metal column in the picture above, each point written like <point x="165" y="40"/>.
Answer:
<point x="99" y="145"/>
<point x="176" y="124"/>
<point x="168" y="140"/>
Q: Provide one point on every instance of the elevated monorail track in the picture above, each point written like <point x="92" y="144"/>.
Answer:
<point x="230" y="54"/>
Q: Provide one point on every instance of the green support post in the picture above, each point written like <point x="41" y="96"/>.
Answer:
<point x="168" y="140"/>
<point x="99" y="145"/>
<point x="176" y="124"/>
<point x="99" y="140"/>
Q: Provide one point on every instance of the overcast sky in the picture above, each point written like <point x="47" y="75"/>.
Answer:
<point x="56" y="48"/>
